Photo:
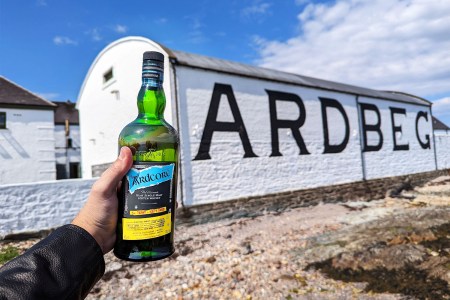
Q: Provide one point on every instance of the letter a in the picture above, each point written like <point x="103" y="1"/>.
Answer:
<point x="212" y="124"/>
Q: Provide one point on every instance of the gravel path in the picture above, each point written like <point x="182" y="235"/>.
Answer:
<point x="267" y="257"/>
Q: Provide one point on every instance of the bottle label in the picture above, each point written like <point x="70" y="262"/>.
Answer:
<point x="148" y="201"/>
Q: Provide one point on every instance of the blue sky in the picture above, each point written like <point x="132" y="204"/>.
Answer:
<point x="47" y="46"/>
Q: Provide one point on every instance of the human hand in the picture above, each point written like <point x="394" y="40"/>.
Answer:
<point x="99" y="214"/>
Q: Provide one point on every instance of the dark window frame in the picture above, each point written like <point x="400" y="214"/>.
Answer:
<point x="108" y="75"/>
<point x="3" y="124"/>
<point x="74" y="170"/>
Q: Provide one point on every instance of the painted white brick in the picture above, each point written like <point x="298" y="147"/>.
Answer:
<point x="442" y="140"/>
<point x="386" y="162"/>
<point x="27" y="146"/>
<point x="227" y="174"/>
<point x="41" y="205"/>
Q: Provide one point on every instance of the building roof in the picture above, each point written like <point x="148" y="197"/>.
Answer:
<point x="12" y="94"/>
<point x="438" y="125"/>
<point x="225" y="66"/>
<point x="229" y="67"/>
<point x="66" y="111"/>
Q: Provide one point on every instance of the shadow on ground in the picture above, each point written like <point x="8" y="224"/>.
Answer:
<point x="414" y="263"/>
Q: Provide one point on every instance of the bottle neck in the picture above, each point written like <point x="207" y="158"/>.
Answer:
<point x="151" y="99"/>
<point x="152" y="73"/>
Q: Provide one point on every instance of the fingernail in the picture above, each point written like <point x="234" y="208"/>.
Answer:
<point x="121" y="154"/>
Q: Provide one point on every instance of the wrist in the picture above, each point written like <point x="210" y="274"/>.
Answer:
<point x="93" y="232"/>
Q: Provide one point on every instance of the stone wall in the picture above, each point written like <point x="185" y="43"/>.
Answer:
<point x="253" y="206"/>
<point x="97" y="170"/>
<point x="33" y="207"/>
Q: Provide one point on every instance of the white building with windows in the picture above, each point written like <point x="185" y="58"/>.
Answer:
<point x="107" y="100"/>
<point x="27" y="142"/>
<point x="67" y="140"/>
<point x="247" y="131"/>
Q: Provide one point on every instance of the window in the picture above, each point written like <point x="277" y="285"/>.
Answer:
<point x="2" y="120"/>
<point x="108" y="75"/>
<point x="61" y="172"/>
<point x="69" y="143"/>
<point x="74" y="170"/>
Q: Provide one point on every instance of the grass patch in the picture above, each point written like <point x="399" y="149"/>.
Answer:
<point x="8" y="253"/>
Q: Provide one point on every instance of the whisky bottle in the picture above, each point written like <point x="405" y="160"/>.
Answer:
<point x="147" y="197"/>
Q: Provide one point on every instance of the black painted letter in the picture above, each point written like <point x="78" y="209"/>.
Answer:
<point x="426" y="145"/>
<point x="371" y="127"/>
<point x="212" y="124"/>
<point x="327" y="102"/>
<point x="402" y="111"/>
<point x="294" y="125"/>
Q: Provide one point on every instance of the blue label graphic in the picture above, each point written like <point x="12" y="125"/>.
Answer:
<point x="154" y="175"/>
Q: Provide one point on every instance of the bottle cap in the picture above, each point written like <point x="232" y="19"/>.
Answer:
<point x="154" y="55"/>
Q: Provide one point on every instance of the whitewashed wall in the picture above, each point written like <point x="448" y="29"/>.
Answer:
<point x="228" y="175"/>
<point x="73" y="154"/>
<point x="387" y="162"/>
<point x="38" y="206"/>
<point x="442" y="139"/>
<point x="106" y="108"/>
<point x="27" y="146"/>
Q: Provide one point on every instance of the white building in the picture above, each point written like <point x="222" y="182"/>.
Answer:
<point x="27" y="143"/>
<point x="67" y="140"/>
<point x="248" y="131"/>
<point x="107" y="99"/>
<point x="442" y="138"/>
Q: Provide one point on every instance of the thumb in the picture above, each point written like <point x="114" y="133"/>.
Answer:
<point x="110" y="179"/>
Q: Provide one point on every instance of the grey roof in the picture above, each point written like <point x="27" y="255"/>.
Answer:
<point x="225" y="66"/>
<point x="14" y="95"/>
<point x="438" y="125"/>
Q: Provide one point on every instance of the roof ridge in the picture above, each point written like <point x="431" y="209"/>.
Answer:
<point x="249" y="70"/>
<point x="26" y="90"/>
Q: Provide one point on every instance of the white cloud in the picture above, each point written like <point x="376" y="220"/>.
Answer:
<point x="195" y="35"/>
<point x="95" y="34"/>
<point x="398" y="45"/>
<point x="441" y="107"/>
<point x="64" y="40"/>
<point x="257" y="9"/>
<point x="48" y="96"/>
<point x="120" y="28"/>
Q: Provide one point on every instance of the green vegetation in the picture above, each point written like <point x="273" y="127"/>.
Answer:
<point x="8" y="253"/>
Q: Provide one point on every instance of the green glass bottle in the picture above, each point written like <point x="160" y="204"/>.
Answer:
<point x="147" y="198"/>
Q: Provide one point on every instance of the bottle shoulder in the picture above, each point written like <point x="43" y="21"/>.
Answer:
<point x="138" y="131"/>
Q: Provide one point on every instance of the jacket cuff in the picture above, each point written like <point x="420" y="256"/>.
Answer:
<point x="86" y="258"/>
<point x="65" y="265"/>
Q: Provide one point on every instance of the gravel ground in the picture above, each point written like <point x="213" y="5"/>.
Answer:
<point x="270" y="256"/>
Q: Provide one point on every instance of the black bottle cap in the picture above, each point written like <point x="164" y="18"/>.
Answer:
<point x="154" y="55"/>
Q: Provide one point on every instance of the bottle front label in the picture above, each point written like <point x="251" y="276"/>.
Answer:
<point x="148" y="201"/>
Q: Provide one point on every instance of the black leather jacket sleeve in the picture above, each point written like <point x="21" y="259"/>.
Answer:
<point x="65" y="265"/>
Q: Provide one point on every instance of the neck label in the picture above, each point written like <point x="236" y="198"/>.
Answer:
<point x="152" y="73"/>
